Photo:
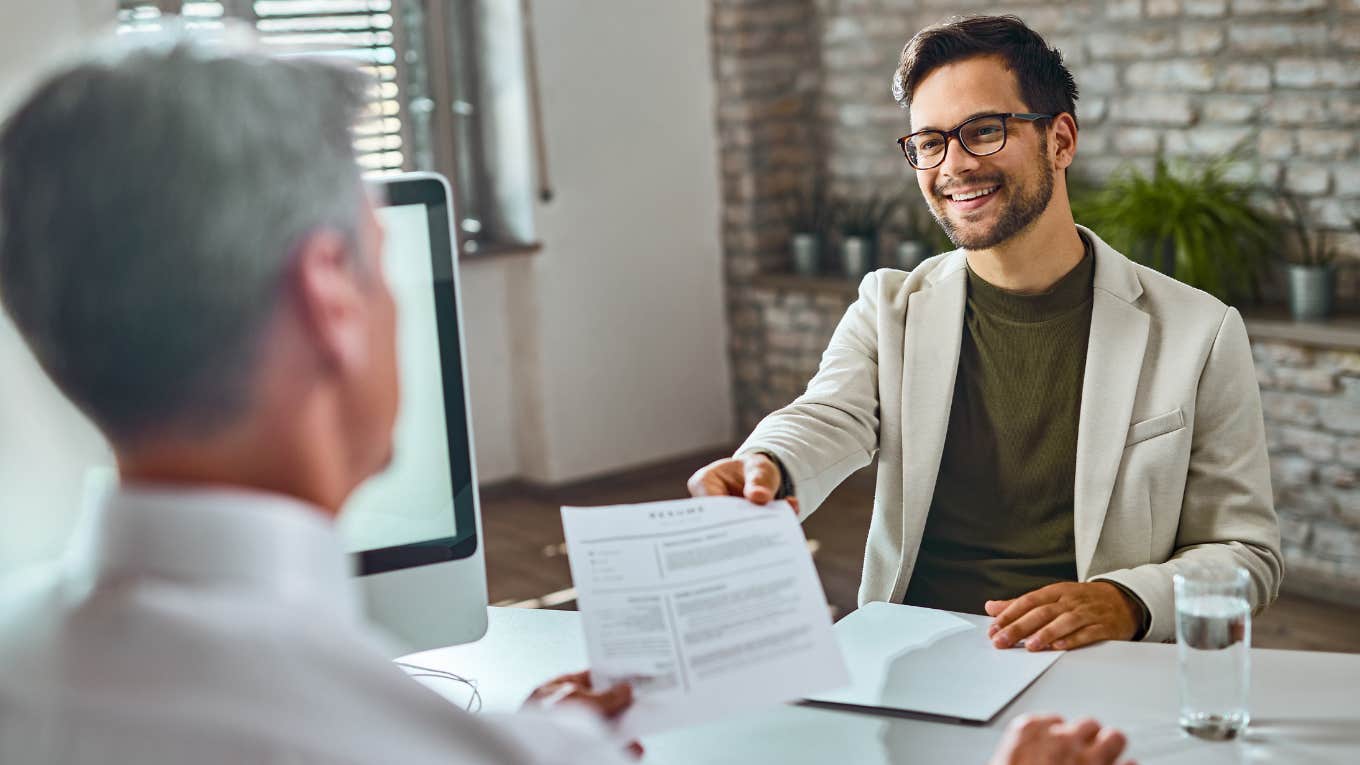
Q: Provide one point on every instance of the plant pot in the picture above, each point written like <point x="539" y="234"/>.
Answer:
<point x="858" y="256"/>
<point x="1310" y="291"/>
<point x="910" y="254"/>
<point x="805" y="250"/>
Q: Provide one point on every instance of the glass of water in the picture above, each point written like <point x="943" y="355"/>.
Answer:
<point x="1213" y="642"/>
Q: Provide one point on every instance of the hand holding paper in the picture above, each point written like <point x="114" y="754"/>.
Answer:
<point x="705" y="606"/>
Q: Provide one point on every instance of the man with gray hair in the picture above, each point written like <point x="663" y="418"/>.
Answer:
<point x="188" y="250"/>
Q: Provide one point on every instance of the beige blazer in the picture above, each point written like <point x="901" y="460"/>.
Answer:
<point x="1171" y="451"/>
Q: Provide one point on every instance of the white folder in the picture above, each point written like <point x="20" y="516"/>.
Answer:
<point x="922" y="662"/>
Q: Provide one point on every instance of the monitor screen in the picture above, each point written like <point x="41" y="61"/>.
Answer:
<point x="419" y="510"/>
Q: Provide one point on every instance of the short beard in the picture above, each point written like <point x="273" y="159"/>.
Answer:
<point x="1014" y="219"/>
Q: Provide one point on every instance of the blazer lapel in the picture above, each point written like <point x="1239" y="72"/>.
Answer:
<point x="1114" y="363"/>
<point x="930" y="353"/>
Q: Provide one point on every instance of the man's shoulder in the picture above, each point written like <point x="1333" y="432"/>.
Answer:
<point x="1171" y="301"/>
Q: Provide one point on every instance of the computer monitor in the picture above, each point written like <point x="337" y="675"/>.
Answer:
<point x="415" y="529"/>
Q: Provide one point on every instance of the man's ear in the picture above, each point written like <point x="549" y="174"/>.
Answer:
<point x="329" y="298"/>
<point x="1065" y="140"/>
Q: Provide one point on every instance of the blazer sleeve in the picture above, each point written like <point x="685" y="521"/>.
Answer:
<point x="1228" y="512"/>
<point x="831" y="430"/>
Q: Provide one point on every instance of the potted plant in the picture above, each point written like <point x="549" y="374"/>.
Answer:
<point x="918" y="238"/>
<point x="1187" y="221"/>
<point x="860" y="221"/>
<point x="1312" y="264"/>
<point x="810" y="215"/>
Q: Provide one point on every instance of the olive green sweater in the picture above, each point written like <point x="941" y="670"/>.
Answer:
<point x="1000" y="522"/>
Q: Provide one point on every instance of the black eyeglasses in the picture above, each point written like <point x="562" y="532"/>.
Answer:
<point x="979" y="136"/>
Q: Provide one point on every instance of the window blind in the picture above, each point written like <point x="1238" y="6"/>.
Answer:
<point x="361" y="31"/>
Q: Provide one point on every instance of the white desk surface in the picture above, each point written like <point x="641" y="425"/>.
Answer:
<point x="1305" y="706"/>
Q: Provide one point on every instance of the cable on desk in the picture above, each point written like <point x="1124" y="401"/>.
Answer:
<point x="474" y="704"/>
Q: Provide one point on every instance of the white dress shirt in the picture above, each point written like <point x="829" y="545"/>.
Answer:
<point x="222" y="626"/>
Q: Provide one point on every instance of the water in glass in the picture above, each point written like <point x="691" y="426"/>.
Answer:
<point x="1213" y="639"/>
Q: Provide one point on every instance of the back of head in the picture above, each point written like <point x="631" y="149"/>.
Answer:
<point x="150" y="195"/>
<point x="1046" y="85"/>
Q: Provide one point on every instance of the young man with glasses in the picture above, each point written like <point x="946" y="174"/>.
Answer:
<point x="1058" y="429"/>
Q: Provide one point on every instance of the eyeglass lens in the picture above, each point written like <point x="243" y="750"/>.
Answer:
<point x="980" y="137"/>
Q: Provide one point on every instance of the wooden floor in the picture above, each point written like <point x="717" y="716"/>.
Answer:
<point x="527" y="565"/>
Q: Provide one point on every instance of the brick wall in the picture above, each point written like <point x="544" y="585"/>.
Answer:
<point x="1311" y="397"/>
<point x="804" y="87"/>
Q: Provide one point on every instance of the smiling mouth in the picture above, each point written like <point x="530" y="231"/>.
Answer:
<point x="970" y="195"/>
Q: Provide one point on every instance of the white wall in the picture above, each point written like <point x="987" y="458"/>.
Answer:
<point x="615" y="354"/>
<point x="603" y="351"/>
<point x="46" y="446"/>
<point x="631" y="327"/>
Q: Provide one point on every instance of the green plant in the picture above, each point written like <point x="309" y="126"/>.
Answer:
<point x="865" y="216"/>
<point x="810" y="210"/>
<point x="1188" y="221"/>
<point x="1312" y="246"/>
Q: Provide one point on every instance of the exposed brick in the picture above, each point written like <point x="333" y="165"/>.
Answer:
<point x="1347" y="178"/>
<point x="1163" y="8"/>
<point x="1342" y="362"/>
<point x="1289" y="472"/>
<point x="1296" y="109"/>
<point x="1340" y="477"/>
<point x="1207" y="141"/>
<point x="1313" y="444"/>
<point x="1342" y="414"/>
<point x="1132" y="45"/>
<point x="1328" y="143"/>
<point x="1336" y="546"/>
<point x="1154" y="109"/>
<point x="1206" y="8"/>
<point x="1348" y="451"/>
<point x="1304" y="178"/>
<point x="1123" y="9"/>
<point x="1295" y="531"/>
<point x="1276" y="144"/>
<point x="1290" y="407"/>
<point x="1346" y="36"/>
<point x="1332" y="213"/>
<point x="1272" y="38"/>
<point x="1193" y="75"/>
<point x="1282" y="354"/>
<point x="1201" y="39"/>
<point x="1231" y="108"/>
<point x="1245" y="78"/>
<point x="1286" y="7"/>
<point x="1348" y="506"/>
<point x="1097" y="78"/>
<point x="1316" y="73"/>
<point x="1138" y="140"/>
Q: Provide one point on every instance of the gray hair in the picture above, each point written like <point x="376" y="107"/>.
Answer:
<point x="150" y="197"/>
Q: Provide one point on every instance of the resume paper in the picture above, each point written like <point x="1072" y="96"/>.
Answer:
<point x="707" y="606"/>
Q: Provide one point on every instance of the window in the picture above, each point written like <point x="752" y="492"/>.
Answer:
<point x="360" y="30"/>
<point x="452" y="91"/>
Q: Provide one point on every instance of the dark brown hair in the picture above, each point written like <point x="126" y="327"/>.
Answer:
<point x="1045" y="83"/>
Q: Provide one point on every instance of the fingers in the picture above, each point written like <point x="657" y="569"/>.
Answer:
<point x="995" y="607"/>
<point x="1108" y="745"/>
<point x="762" y="478"/>
<point x="718" y="478"/>
<point x="1065" y="624"/>
<point x="1023" y="604"/>
<point x="1091" y="633"/>
<point x="1026" y="625"/>
<point x="613" y="701"/>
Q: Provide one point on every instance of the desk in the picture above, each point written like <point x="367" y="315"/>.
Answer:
<point x="1305" y="706"/>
